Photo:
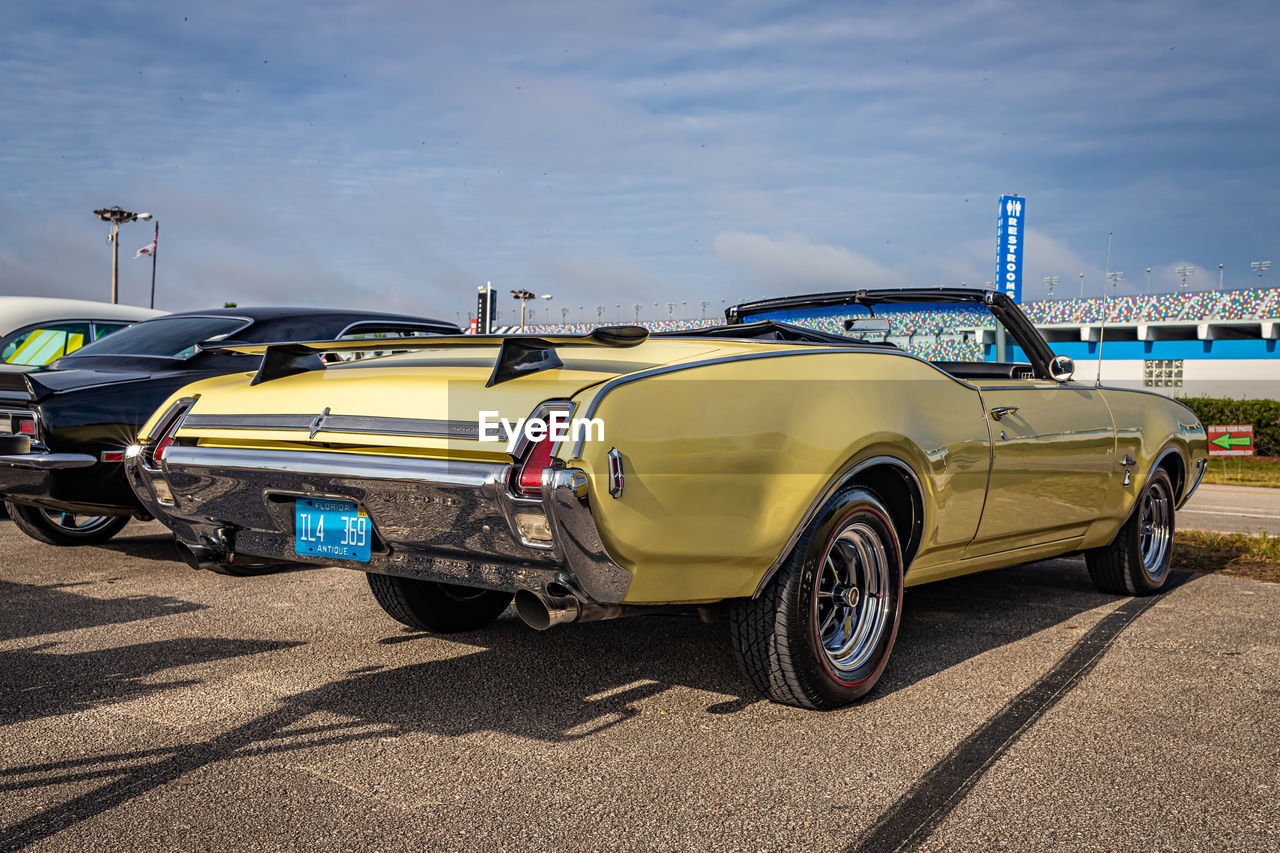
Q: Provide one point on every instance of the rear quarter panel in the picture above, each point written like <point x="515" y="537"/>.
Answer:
<point x="722" y="462"/>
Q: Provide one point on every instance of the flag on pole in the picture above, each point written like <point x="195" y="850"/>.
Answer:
<point x="149" y="250"/>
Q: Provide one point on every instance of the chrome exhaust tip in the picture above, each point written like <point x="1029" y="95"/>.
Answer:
<point x="540" y="612"/>
<point x="198" y="556"/>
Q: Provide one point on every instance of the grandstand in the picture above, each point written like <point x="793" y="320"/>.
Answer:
<point x="1216" y="343"/>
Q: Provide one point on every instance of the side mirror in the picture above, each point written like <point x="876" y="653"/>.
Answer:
<point x="1061" y="368"/>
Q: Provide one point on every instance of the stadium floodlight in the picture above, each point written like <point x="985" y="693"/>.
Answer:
<point x="1115" y="278"/>
<point x="524" y="296"/>
<point x="1260" y="267"/>
<point x="1219" y="278"/>
<point x="1148" y="290"/>
<point x="116" y="216"/>
<point x="1185" y="271"/>
<point x="1082" y="285"/>
<point x="1050" y="281"/>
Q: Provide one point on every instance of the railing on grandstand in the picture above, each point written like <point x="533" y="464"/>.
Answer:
<point x="1155" y="308"/>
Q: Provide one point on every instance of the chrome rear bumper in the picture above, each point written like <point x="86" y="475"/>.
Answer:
<point x="443" y="520"/>
<point x="47" y="461"/>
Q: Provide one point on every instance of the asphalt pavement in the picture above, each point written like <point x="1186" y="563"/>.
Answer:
<point x="144" y="706"/>
<point x="1232" y="509"/>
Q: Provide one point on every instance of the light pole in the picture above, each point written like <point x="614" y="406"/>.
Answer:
<point x="1260" y="267"/>
<point x="1051" y="281"/>
<point x="524" y="296"/>
<point x="1115" y="278"/>
<point x="546" y="309"/>
<point x="115" y="216"/>
<point x="1148" y="290"/>
<point x="1219" y="278"/>
<point x="1185" y="271"/>
<point x="1082" y="285"/>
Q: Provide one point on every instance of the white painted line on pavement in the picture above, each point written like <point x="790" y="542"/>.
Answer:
<point x="1236" y="514"/>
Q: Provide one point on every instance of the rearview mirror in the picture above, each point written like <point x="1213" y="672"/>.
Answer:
<point x="1061" y="368"/>
<point x="861" y="326"/>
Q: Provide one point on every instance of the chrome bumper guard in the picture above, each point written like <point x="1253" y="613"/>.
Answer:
<point x="47" y="461"/>
<point x="442" y="520"/>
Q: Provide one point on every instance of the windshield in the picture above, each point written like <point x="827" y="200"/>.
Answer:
<point x="169" y="337"/>
<point x="935" y="331"/>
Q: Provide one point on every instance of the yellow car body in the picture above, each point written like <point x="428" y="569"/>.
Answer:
<point x="728" y="450"/>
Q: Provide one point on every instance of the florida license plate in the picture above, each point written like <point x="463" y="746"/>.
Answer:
<point x="329" y="528"/>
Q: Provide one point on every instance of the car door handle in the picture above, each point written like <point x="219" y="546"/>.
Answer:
<point x="1000" y="411"/>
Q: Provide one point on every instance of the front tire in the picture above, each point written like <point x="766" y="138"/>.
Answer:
<point x="1136" y="562"/>
<point x="64" y="528"/>
<point x="441" y="608"/>
<point x="820" y="633"/>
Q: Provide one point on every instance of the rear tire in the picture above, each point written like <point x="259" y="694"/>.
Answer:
<point x="820" y="633"/>
<point x="441" y="608"/>
<point x="1136" y="562"/>
<point x="64" y="528"/>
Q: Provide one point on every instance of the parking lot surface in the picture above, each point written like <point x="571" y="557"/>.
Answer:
<point x="144" y="706"/>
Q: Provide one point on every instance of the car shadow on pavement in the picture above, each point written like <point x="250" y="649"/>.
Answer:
<point x="30" y="610"/>
<point x="559" y="686"/>
<point x="37" y="682"/>
<point x="948" y="622"/>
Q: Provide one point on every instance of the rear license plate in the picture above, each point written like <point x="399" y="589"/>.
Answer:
<point x="328" y="528"/>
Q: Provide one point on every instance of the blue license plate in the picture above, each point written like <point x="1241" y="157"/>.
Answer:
<point x="328" y="528"/>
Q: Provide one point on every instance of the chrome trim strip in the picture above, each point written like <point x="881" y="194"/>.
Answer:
<point x="424" y="427"/>
<point x="345" y="465"/>
<point x="835" y="485"/>
<point x="48" y="461"/>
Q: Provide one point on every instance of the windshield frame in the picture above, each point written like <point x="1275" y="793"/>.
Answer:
<point x="245" y="322"/>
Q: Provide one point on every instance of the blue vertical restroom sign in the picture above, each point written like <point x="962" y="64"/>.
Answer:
<point x="1009" y="237"/>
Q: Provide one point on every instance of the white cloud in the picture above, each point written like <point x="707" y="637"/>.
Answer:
<point x="793" y="262"/>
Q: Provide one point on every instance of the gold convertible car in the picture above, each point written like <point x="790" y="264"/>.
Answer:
<point x="800" y="464"/>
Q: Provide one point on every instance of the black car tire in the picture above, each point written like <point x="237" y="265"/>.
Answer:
<point x="819" y="634"/>
<point x="1137" y="561"/>
<point x="441" y="608"/>
<point x="68" y="529"/>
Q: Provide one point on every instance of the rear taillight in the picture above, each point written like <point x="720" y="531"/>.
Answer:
<point x="529" y="474"/>
<point x="535" y="456"/>
<point x="24" y="425"/>
<point x="168" y="427"/>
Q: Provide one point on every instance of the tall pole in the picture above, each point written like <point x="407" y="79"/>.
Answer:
<point x="1219" y="278"/>
<point x="115" y="261"/>
<point x="155" y="247"/>
<point x="115" y="215"/>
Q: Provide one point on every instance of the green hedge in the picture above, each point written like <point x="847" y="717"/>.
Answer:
<point x="1263" y="414"/>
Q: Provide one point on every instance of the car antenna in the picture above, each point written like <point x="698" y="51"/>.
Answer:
<point x="1102" y="330"/>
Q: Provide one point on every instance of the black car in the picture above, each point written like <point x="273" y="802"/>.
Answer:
<point x="64" y="428"/>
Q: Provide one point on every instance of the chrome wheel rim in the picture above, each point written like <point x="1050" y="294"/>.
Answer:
<point x="70" y="522"/>
<point x="853" y="598"/>
<point x="1156" y="531"/>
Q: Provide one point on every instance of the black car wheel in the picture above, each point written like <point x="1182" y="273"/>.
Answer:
<point x="1136" y="562"/>
<point x="820" y="633"/>
<point x="442" y="608"/>
<point x="65" y="528"/>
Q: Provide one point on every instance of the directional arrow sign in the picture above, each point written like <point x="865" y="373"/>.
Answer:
<point x="1231" y="440"/>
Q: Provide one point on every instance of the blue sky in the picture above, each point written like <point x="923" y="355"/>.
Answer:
<point x="397" y="154"/>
